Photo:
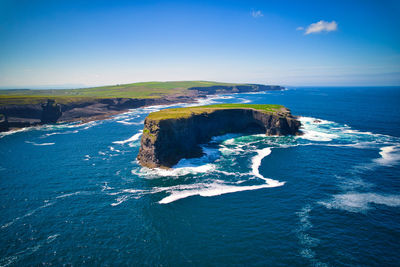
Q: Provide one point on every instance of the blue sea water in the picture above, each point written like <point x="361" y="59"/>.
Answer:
<point x="74" y="194"/>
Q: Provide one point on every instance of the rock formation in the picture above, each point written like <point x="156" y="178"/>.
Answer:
<point x="50" y="112"/>
<point x="167" y="140"/>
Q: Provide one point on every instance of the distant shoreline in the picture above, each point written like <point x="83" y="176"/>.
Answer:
<point x="50" y="111"/>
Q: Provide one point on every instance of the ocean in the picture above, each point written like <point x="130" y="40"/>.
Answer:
<point x="73" y="194"/>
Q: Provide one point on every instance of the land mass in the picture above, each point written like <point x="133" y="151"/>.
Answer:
<point x="172" y="134"/>
<point x="24" y="107"/>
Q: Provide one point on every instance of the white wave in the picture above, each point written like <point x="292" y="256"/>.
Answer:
<point x="224" y="137"/>
<point x="208" y="190"/>
<point x="120" y="200"/>
<point x="39" y="144"/>
<point x="229" y="141"/>
<point x="317" y="136"/>
<point x="236" y="174"/>
<point x="132" y="193"/>
<point x="312" y="131"/>
<point x="312" y="120"/>
<point x="85" y="125"/>
<point x="3" y="134"/>
<point x="51" y="238"/>
<point x="106" y="187"/>
<point x="229" y="151"/>
<point x="390" y="155"/>
<point x="30" y="213"/>
<point x="360" y="202"/>
<point x="113" y="149"/>
<point x="352" y="131"/>
<point x="360" y="145"/>
<point x="176" y="171"/>
<point x="133" y="138"/>
<point x="55" y="133"/>
<point x="73" y="194"/>
<point x="256" y="163"/>
<point x="131" y="123"/>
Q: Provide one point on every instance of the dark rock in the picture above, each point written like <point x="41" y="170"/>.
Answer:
<point x="4" y="123"/>
<point x="51" y="112"/>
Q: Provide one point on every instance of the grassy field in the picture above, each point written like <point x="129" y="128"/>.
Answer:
<point x="177" y="113"/>
<point x="132" y="90"/>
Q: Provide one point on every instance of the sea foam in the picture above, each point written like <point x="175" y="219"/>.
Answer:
<point x="390" y="155"/>
<point x="256" y="163"/>
<point x="133" y="138"/>
<point x="208" y="190"/>
<point x="360" y="202"/>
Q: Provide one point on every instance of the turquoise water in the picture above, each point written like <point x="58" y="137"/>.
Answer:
<point x="75" y="195"/>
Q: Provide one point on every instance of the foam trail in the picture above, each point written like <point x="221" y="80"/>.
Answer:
<point x="39" y="144"/>
<point x="209" y="190"/>
<point x="30" y="213"/>
<point x="16" y="131"/>
<point x="130" y="139"/>
<point x="256" y="163"/>
<point x="360" y="202"/>
<point x="131" y="123"/>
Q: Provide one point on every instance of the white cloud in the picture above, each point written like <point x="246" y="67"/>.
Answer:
<point x="300" y="28"/>
<point x="321" y="26"/>
<point x="257" y="14"/>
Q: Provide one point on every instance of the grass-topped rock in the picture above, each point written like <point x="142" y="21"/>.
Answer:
<point x="172" y="134"/>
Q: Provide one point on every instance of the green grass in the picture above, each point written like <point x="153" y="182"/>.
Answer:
<point x="132" y="90"/>
<point x="177" y="113"/>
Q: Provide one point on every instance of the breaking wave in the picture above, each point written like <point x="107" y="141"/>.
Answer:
<point x="207" y="190"/>
<point x="133" y="138"/>
<point x="390" y="155"/>
<point x="39" y="144"/>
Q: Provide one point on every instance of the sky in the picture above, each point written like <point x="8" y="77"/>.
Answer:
<point x="70" y="44"/>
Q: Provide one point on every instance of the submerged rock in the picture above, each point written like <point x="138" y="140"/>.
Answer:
<point x="172" y="134"/>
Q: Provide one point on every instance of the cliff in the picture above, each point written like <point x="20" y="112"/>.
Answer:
<point x="26" y="112"/>
<point x="172" y="134"/>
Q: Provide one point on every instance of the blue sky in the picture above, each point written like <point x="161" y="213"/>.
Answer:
<point x="85" y="43"/>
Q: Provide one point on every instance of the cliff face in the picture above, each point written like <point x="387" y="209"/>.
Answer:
<point x="165" y="142"/>
<point x="92" y="109"/>
<point x="50" y="112"/>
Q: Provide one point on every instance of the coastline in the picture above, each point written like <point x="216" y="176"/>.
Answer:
<point x="26" y="116"/>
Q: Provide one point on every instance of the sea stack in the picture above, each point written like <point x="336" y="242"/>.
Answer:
<point x="172" y="134"/>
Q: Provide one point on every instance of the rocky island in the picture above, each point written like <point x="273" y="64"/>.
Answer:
<point x="172" y="134"/>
